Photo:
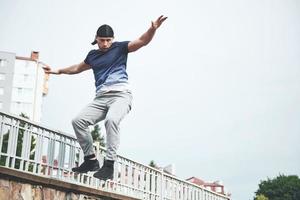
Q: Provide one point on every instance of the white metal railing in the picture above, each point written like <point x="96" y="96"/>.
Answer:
<point x="31" y="148"/>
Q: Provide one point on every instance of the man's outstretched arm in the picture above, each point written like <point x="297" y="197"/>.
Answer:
<point x="146" y="37"/>
<point x="74" y="69"/>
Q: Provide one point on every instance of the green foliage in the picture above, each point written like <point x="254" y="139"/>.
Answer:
<point x="280" y="188"/>
<point x="21" y="131"/>
<point x="261" y="197"/>
<point x="152" y="164"/>
<point x="97" y="136"/>
<point x="4" y="148"/>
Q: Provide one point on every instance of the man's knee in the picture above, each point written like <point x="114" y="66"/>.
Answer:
<point x="77" y="121"/>
<point x="110" y="121"/>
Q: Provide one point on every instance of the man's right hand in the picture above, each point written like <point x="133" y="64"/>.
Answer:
<point x="74" y="69"/>
<point x="48" y="70"/>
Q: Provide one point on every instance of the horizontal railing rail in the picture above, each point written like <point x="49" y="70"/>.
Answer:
<point x="33" y="148"/>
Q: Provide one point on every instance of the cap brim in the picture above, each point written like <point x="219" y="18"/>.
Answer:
<point x="95" y="42"/>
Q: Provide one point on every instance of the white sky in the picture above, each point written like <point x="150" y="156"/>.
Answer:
<point x="216" y="92"/>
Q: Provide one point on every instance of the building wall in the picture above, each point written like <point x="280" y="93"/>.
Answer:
<point x="7" y="63"/>
<point x="41" y="80"/>
<point x="24" y="86"/>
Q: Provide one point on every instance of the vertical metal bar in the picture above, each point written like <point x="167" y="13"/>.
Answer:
<point x="26" y="148"/>
<point x="14" y="143"/>
<point x="35" y="138"/>
<point x="123" y="171"/>
<point x="162" y="191"/>
<point x="142" y="179"/>
<point x="11" y="144"/>
<point x="10" y="133"/>
<point x="72" y="157"/>
<point x="193" y="193"/>
<point x="200" y="194"/>
<point x="153" y="181"/>
<point x="72" y="154"/>
<point x="177" y="190"/>
<point x="2" y="124"/>
<point x="166" y="186"/>
<point x="39" y="149"/>
<point x="61" y="157"/>
<point x="173" y="189"/>
<point x="29" y="146"/>
<point x="8" y="142"/>
<point x="129" y="174"/>
<point x="22" y="149"/>
<point x="136" y="174"/>
<point x="64" y="156"/>
<point x="147" y="181"/>
<point x="50" y="153"/>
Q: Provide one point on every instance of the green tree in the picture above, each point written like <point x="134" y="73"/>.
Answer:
<point x="21" y="134"/>
<point x="261" y="197"/>
<point x="280" y="188"/>
<point x="97" y="136"/>
<point x="19" y="144"/>
<point x="152" y="164"/>
<point x="22" y="128"/>
<point x="4" y="148"/>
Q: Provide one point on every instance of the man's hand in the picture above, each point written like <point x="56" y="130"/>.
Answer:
<point x="74" y="69"/>
<point x="48" y="70"/>
<point x="146" y="37"/>
<point x="156" y="24"/>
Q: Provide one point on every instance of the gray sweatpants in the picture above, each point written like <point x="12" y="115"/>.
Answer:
<point x="111" y="106"/>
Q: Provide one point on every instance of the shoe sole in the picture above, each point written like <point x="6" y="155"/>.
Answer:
<point x="82" y="172"/>
<point x="103" y="179"/>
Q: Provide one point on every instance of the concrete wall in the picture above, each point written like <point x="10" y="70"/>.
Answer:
<point x="13" y="190"/>
<point x="17" y="185"/>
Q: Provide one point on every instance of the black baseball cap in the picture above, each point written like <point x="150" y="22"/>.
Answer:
<point x="104" y="31"/>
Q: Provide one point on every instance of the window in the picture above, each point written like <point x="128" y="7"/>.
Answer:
<point x="19" y="91"/>
<point x="21" y="107"/>
<point x="2" y="77"/>
<point x="26" y="78"/>
<point x="22" y="94"/>
<point x="3" y="62"/>
<point x="1" y="91"/>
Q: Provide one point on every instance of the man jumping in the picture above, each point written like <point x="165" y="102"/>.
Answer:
<point x="113" y="96"/>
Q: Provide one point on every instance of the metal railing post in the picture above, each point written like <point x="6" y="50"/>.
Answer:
<point x="162" y="192"/>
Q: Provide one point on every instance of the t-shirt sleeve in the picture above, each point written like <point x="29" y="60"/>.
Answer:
<point x="124" y="46"/>
<point x="87" y="59"/>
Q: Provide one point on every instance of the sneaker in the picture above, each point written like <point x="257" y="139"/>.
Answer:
<point x="106" y="172"/>
<point x="87" y="165"/>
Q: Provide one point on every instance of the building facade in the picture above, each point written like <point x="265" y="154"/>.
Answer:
<point x="23" y="84"/>
<point x="215" y="186"/>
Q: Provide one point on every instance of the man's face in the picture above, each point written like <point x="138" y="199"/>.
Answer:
<point x="104" y="42"/>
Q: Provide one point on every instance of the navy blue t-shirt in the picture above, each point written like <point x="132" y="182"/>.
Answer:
<point x="109" y="67"/>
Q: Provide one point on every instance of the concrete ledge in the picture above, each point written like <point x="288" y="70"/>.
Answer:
<point x="6" y="173"/>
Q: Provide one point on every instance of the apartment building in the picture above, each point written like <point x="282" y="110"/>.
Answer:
<point x="23" y="84"/>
